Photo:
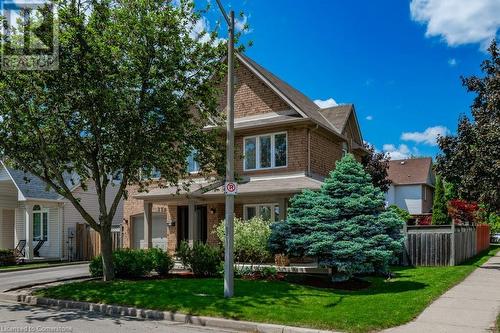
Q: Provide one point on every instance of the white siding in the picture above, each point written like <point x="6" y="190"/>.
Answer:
<point x="20" y="226"/>
<point x="89" y="201"/>
<point x="409" y="197"/>
<point x="51" y="248"/>
<point x="7" y="222"/>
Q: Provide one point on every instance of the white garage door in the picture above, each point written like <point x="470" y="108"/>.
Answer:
<point x="159" y="231"/>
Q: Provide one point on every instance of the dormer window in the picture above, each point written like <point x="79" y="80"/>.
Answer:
<point x="345" y="149"/>
<point x="265" y="151"/>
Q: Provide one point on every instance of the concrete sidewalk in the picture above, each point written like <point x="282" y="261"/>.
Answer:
<point x="472" y="306"/>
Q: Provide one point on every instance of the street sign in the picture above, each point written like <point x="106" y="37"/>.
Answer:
<point x="231" y="188"/>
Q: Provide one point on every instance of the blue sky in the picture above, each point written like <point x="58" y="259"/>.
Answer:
<point x="399" y="62"/>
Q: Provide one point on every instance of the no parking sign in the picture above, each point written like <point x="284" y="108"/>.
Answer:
<point x="231" y="188"/>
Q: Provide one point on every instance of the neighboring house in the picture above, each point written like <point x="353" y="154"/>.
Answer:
<point x="412" y="185"/>
<point x="284" y="143"/>
<point x="30" y="211"/>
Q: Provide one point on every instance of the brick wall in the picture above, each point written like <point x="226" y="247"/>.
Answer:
<point x="324" y="153"/>
<point x="252" y="96"/>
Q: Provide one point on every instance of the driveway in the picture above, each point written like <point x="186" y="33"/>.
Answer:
<point x="10" y="280"/>
<point x="20" y="318"/>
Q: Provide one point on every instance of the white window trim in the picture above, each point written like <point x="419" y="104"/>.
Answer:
<point x="41" y="211"/>
<point x="274" y="218"/>
<point x="257" y="151"/>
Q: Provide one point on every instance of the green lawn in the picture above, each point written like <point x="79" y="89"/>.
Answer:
<point x="386" y="303"/>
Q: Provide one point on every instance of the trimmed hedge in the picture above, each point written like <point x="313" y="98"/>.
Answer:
<point x="130" y="263"/>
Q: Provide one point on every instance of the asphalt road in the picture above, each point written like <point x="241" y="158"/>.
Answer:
<point x="9" y="280"/>
<point x="20" y="318"/>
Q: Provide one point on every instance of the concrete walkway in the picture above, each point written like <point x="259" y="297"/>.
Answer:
<point x="472" y="306"/>
<point x="16" y="279"/>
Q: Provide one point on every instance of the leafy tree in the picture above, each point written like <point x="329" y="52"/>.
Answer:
<point x="377" y="164"/>
<point x="450" y="191"/>
<point x="470" y="160"/>
<point x="439" y="206"/>
<point x="122" y="100"/>
<point x="345" y="224"/>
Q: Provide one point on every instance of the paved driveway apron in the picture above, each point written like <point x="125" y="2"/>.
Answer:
<point x="10" y="280"/>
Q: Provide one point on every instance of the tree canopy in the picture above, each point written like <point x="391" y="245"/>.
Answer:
<point x="471" y="159"/>
<point x="136" y="85"/>
<point x="377" y="164"/>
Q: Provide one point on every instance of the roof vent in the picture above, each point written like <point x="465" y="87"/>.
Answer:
<point x="403" y="162"/>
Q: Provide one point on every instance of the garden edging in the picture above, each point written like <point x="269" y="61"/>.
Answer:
<point x="123" y="311"/>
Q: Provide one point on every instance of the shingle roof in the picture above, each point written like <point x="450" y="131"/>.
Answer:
<point x="411" y="171"/>
<point x="338" y="115"/>
<point x="304" y="103"/>
<point x="36" y="188"/>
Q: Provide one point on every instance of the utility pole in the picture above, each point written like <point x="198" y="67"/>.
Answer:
<point x="229" y="226"/>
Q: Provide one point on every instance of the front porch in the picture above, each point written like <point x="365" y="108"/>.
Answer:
<point x="170" y="217"/>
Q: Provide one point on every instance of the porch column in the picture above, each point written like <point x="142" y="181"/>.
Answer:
<point x="282" y="208"/>
<point x="148" y="225"/>
<point x="192" y="223"/>
<point x="28" y="220"/>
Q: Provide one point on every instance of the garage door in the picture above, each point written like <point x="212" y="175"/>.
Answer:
<point x="159" y="231"/>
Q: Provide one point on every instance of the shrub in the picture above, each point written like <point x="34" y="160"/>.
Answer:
<point x="462" y="211"/>
<point x="202" y="259"/>
<point x="250" y="239"/>
<point x="161" y="260"/>
<point x="7" y="257"/>
<point x="401" y="212"/>
<point x="127" y="263"/>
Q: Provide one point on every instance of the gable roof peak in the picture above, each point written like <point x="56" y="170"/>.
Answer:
<point x="296" y="99"/>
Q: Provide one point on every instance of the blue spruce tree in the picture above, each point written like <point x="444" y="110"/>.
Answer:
<point x="345" y="224"/>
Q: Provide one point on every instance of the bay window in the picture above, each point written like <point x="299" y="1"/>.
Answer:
<point x="265" y="151"/>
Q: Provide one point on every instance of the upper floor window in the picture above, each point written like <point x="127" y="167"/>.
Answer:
<point x="40" y="223"/>
<point x="345" y="149"/>
<point x="193" y="165"/>
<point x="265" y="151"/>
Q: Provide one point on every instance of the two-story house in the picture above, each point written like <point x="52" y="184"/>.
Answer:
<point x="412" y="187"/>
<point x="284" y="143"/>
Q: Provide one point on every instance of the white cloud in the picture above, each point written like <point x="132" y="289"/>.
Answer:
<point x="327" y="103"/>
<point x="240" y="24"/>
<point x="201" y="30"/>
<point x="458" y="21"/>
<point x="428" y="136"/>
<point x="452" y="62"/>
<point x="369" y="118"/>
<point x="396" y="153"/>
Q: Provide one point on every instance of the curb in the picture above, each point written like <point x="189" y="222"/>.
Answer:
<point x="123" y="311"/>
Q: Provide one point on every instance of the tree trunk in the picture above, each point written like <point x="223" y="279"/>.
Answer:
<point x="107" y="253"/>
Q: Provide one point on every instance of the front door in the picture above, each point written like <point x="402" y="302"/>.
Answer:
<point x="201" y="219"/>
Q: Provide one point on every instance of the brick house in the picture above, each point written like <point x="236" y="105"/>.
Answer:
<point x="284" y="143"/>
